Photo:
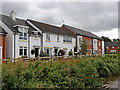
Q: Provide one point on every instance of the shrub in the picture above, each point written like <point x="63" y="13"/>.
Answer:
<point x="43" y="54"/>
<point x="79" y="73"/>
<point x="70" y="53"/>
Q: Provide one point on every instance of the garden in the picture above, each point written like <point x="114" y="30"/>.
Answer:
<point x="72" y="73"/>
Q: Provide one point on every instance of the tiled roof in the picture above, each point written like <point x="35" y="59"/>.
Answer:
<point x="111" y="43"/>
<point x="50" y="28"/>
<point x="82" y="32"/>
<point x="10" y="23"/>
<point x="2" y="31"/>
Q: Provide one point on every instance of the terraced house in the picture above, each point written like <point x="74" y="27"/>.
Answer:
<point x="95" y="44"/>
<point x="21" y="38"/>
<point x="111" y="47"/>
<point x="29" y="38"/>
<point x="2" y="43"/>
<point x="54" y="38"/>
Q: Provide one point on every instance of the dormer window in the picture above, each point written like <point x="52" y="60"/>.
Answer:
<point x="23" y="33"/>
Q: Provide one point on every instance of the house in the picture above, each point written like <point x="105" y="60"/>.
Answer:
<point x="2" y="43"/>
<point x="111" y="47"/>
<point x="22" y="39"/>
<point x="54" y="38"/>
<point x="95" y="44"/>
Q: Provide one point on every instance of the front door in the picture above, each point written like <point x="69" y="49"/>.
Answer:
<point x="0" y="52"/>
<point x="36" y="52"/>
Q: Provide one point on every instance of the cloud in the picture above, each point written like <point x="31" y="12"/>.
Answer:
<point x="91" y="16"/>
<point x="112" y="34"/>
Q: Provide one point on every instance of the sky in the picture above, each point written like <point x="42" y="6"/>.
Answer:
<point x="101" y="18"/>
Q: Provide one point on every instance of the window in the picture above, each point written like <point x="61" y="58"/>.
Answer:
<point x="90" y="51"/>
<point x="107" y="47"/>
<point x="57" y="38"/>
<point x="87" y="41"/>
<point x="99" y="44"/>
<point x="23" y="33"/>
<point x="66" y="39"/>
<point x="23" y="51"/>
<point x="99" y="51"/>
<point x="80" y="41"/>
<point x="113" y="47"/>
<point x="48" y="37"/>
<point x="90" y="42"/>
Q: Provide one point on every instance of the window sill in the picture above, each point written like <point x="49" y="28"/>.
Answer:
<point x="23" y="40"/>
<point x="66" y="43"/>
<point x="48" y="41"/>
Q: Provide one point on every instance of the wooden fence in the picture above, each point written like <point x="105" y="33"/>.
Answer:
<point x="49" y="58"/>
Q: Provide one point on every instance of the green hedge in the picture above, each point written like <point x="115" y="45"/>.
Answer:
<point x="79" y="73"/>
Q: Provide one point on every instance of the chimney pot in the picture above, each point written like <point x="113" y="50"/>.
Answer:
<point x="12" y="15"/>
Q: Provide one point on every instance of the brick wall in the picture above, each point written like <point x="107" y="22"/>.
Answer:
<point x="3" y="44"/>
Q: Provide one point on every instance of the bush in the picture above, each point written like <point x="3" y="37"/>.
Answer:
<point x="79" y="73"/>
<point x="43" y="54"/>
<point x="70" y="53"/>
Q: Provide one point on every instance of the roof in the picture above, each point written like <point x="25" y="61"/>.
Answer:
<point x="10" y="23"/>
<point x="111" y="43"/>
<point x="82" y="32"/>
<point x="2" y="31"/>
<point x="50" y="28"/>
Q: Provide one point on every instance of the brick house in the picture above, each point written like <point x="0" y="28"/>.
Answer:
<point x="111" y="47"/>
<point x="2" y="43"/>
<point x="95" y="44"/>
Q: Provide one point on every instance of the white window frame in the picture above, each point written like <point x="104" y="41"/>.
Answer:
<point x="21" y="47"/>
<point x="48" y="37"/>
<point x="58" y="38"/>
<point x="67" y="39"/>
<point x="23" y="31"/>
<point x="90" y="42"/>
<point x="112" y="47"/>
<point x="1" y="52"/>
<point x="99" y="43"/>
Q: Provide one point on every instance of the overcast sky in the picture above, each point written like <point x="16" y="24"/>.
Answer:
<point x="100" y="18"/>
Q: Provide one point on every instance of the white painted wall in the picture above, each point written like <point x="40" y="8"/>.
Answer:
<point x="19" y="43"/>
<point x="103" y="51"/>
<point x="95" y="45"/>
<point x="9" y="40"/>
<point x="0" y="52"/>
<point x="54" y="43"/>
<point x="34" y="42"/>
<point x="78" y="43"/>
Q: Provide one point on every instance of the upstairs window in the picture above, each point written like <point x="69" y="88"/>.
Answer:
<point x="90" y="42"/>
<point x="48" y="37"/>
<point x="23" y="33"/>
<point x="113" y="47"/>
<point x="66" y="39"/>
<point x="99" y="44"/>
<point x="58" y="38"/>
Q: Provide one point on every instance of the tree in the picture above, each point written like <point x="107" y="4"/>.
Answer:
<point x="84" y="47"/>
<point x="106" y="39"/>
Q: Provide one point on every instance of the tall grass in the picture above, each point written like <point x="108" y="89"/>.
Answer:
<point x="78" y="73"/>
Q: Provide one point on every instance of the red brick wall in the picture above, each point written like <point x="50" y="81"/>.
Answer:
<point x="3" y="44"/>
<point x="88" y="46"/>
<point x="115" y="48"/>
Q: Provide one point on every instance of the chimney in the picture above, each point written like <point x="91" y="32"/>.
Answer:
<point x="12" y="15"/>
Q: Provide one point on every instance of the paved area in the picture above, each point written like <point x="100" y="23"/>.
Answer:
<point x="113" y="85"/>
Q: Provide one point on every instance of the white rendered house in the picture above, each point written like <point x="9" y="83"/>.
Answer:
<point x="54" y="38"/>
<point x="21" y="39"/>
